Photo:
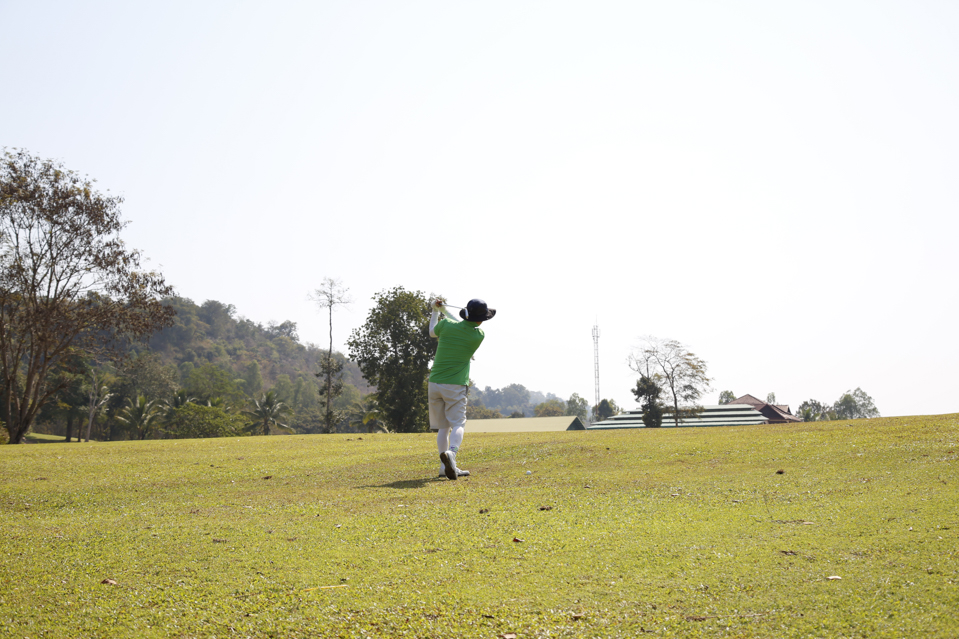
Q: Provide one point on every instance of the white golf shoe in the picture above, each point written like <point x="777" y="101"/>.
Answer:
<point x="459" y="472"/>
<point x="449" y="466"/>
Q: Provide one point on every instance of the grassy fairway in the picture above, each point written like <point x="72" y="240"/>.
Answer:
<point x="732" y="532"/>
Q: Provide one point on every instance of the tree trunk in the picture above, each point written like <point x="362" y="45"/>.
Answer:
<point x="90" y="421"/>
<point x="70" y="428"/>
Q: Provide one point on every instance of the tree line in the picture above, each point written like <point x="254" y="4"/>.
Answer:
<point x="92" y="344"/>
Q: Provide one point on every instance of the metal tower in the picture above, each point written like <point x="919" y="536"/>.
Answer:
<point x="596" y="361"/>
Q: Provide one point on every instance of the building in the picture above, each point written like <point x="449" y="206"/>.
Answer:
<point x="524" y="425"/>
<point x="724" y="415"/>
<point x="774" y="413"/>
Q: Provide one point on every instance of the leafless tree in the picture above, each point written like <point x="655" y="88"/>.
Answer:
<point x="675" y="367"/>
<point x="69" y="286"/>
<point x="328" y="296"/>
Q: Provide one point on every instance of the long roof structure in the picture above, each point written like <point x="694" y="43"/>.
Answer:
<point x="721" y="415"/>
<point x="524" y="425"/>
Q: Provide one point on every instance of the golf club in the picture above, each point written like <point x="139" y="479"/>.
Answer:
<point x="452" y="306"/>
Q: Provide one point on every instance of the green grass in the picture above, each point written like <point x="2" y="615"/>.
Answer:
<point x="672" y="532"/>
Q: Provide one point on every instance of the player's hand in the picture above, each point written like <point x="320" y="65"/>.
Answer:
<point x="439" y="302"/>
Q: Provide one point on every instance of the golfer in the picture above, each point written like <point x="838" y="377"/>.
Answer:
<point x="450" y="376"/>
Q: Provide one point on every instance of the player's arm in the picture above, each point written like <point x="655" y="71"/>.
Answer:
<point x="439" y="306"/>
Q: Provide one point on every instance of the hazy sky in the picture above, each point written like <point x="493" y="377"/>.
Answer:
<point x="773" y="184"/>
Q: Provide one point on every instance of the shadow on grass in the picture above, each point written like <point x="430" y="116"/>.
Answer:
<point x="407" y="483"/>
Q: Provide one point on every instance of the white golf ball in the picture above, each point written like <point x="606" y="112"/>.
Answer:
<point x="529" y="472"/>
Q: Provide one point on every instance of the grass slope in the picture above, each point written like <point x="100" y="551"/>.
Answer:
<point x="672" y="532"/>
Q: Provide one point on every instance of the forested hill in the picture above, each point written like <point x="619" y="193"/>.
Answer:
<point x="220" y="361"/>
<point x="211" y="333"/>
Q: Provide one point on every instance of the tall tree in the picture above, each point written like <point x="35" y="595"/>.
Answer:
<point x="68" y="284"/>
<point x="726" y="396"/>
<point x="677" y="369"/>
<point x="393" y="350"/>
<point x="328" y="296"/>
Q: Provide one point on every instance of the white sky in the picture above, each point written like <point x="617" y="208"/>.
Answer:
<point x="772" y="183"/>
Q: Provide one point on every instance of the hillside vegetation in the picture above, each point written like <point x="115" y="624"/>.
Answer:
<point x="834" y="529"/>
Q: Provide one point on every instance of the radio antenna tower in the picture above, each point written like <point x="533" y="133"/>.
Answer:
<point x="596" y="361"/>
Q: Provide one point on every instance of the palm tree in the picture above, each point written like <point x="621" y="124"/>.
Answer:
<point x="98" y="397"/>
<point x="218" y="402"/>
<point x="140" y="415"/>
<point x="182" y="398"/>
<point x="366" y="412"/>
<point x="267" y="412"/>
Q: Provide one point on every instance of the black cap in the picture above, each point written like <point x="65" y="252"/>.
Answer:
<point x="477" y="311"/>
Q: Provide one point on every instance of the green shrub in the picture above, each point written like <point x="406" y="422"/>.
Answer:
<point x="193" y="421"/>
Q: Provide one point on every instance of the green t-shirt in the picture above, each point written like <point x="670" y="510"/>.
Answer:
<point x="457" y="343"/>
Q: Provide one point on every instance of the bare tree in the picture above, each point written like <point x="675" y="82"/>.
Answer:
<point x="328" y="296"/>
<point x="672" y="365"/>
<point x="68" y="284"/>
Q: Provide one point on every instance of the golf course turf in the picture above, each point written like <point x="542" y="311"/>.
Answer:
<point x="830" y="529"/>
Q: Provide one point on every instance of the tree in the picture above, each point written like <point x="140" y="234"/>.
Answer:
<point x="98" y="396"/>
<point x="550" y="408"/>
<point x="331" y="385"/>
<point x="771" y="398"/>
<point x="676" y="369"/>
<point x="726" y="396"/>
<point x="509" y="399"/>
<point x="267" y="412"/>
<point x="145" y="375"/>
<point x="209" y="381"/>
<point x="284" y="389"/>
<point x="252" y="380"/>
<point x="855" y="405"/>
<point x="647" y="394"/>
<point x="812" y="410"/>
<point x="140" y="416"/>
<point x="393" y="350"/>
<point x="366" y="413"/>
<point x="181" y="398"/>
<point x="218" y="317"/>
<point x="68" y="284"/>
<point x="192" y="421"/>
<point x="577" y="406"/>
<point x="476" y="410"/>
<point x="328" y="296"/>
<point x="606" y="409"/>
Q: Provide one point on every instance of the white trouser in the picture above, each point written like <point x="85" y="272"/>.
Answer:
<point x="447" y="404"/>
